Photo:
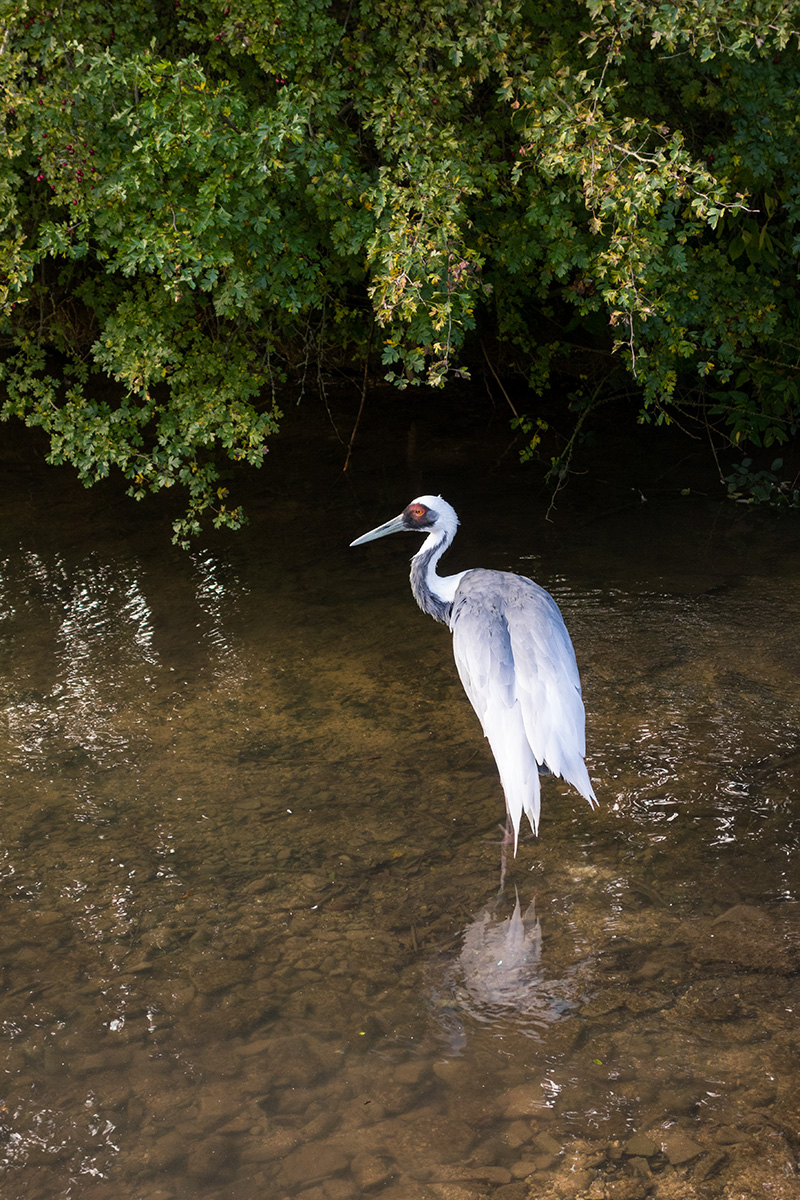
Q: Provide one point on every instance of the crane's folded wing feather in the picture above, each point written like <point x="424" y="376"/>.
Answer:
<point x="516" y="662"/>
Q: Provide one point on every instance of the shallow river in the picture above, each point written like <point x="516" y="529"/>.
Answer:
<point x="251" y="939"/>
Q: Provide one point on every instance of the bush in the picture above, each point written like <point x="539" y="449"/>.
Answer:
<point x="199" y="198"/>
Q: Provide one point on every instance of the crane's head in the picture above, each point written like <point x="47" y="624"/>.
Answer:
<point x="426" y="514"/>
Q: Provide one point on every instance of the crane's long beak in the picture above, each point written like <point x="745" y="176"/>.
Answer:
<point x="394" y="526"/>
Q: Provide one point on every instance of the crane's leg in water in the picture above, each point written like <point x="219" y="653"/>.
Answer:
<point x="508" y="840"/>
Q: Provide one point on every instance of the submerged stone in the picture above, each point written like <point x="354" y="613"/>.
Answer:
<point x="547" y="1144"/>
<point x="680" y="1149"/>
<point x="641" y="1146"/>
<point x="314" y="1162"/>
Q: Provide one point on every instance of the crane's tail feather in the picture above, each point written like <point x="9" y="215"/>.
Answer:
<point x="578" y="776"/>
<point x="519" y="770"/>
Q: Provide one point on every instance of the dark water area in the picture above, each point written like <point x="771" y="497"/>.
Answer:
<point x="250" y="939"/>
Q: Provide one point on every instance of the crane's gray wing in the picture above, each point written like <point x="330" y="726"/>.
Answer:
<point x="515" y="659"/>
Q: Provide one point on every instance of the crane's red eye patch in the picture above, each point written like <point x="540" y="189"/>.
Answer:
<point x="417" y="514"/>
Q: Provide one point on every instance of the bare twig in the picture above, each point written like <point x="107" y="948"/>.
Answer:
<point x="497" y="380"/>
<point x="363" y="397"/>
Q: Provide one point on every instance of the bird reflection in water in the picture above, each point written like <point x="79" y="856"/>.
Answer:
<point x="501" y="958"/>
<point x="498" y="978"/>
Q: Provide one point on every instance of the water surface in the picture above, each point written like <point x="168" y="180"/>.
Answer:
<point x="251" y="942"/>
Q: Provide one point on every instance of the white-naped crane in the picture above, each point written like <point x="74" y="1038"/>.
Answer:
<point x="514" y="657"/>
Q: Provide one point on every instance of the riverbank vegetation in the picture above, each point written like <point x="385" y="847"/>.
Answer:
<point x="208" y="202"/>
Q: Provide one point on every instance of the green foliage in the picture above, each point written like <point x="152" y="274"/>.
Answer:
<point x="749" y="485"/>
<point x="195" y="195"/>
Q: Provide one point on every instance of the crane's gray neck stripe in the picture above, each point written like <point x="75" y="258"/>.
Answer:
<point x="422" y="574"/>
